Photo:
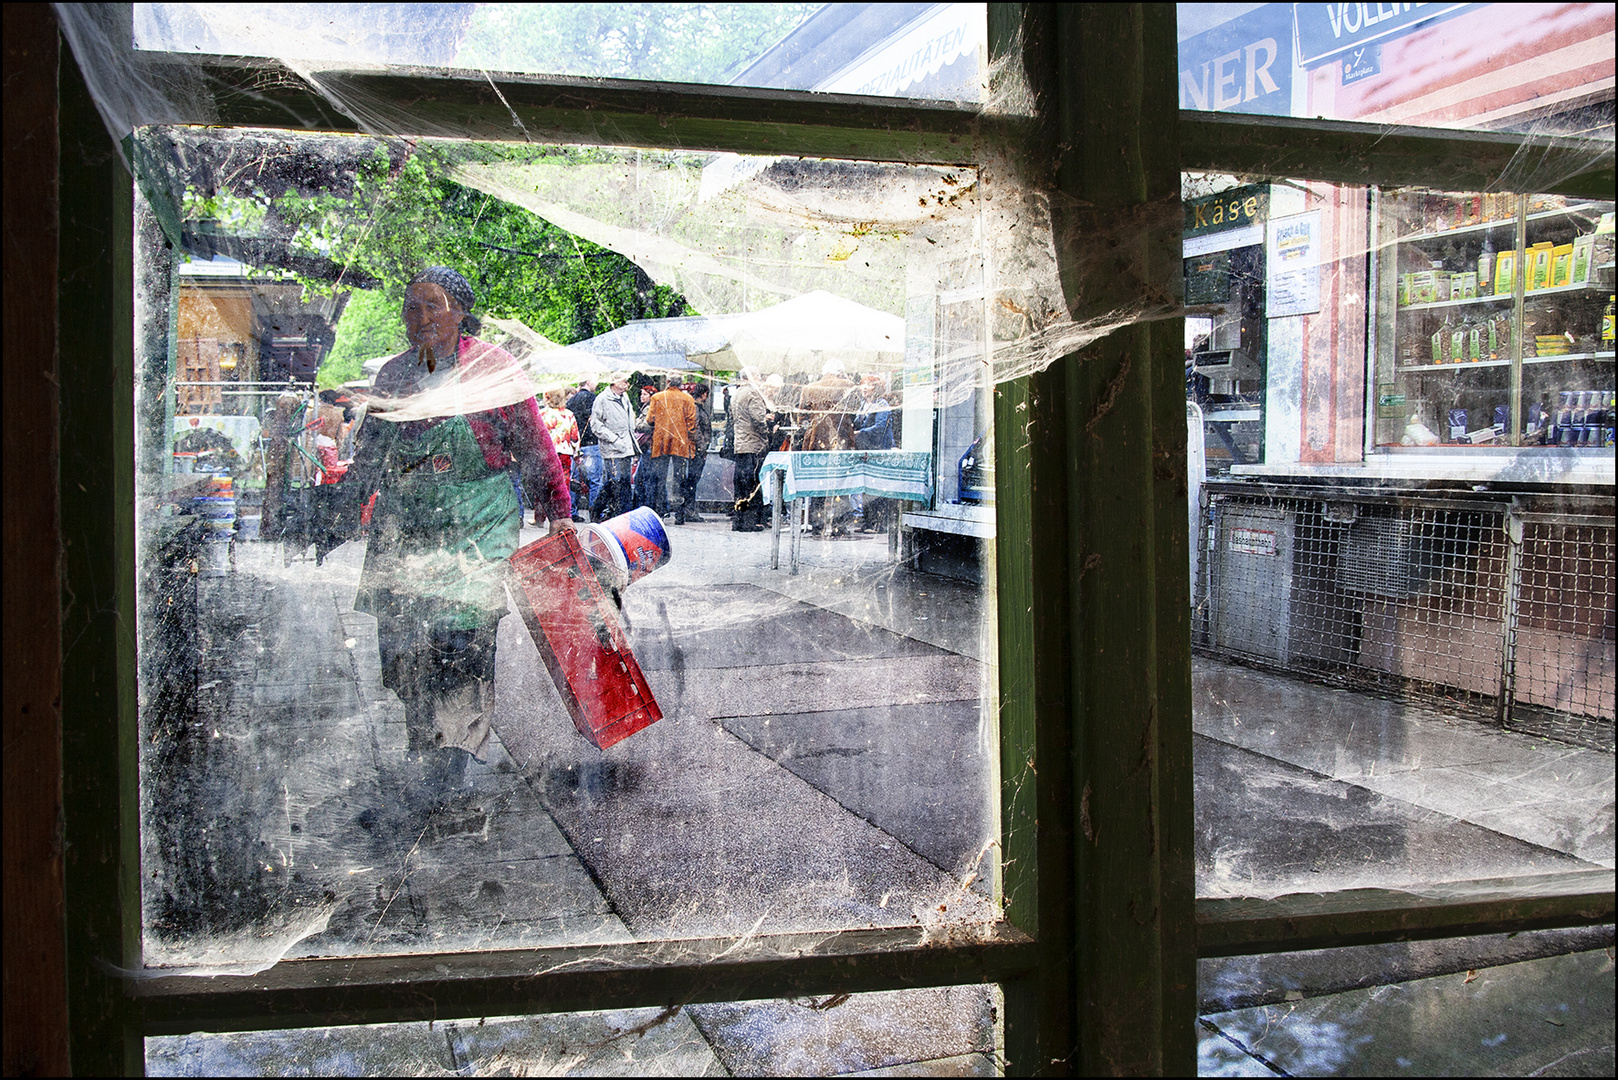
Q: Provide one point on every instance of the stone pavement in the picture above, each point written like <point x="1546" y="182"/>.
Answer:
<point x="825" y="762"/>
<point x="1551" y="1016"/>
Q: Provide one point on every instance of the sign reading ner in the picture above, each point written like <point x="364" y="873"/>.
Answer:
<point x="1240" y="65"/>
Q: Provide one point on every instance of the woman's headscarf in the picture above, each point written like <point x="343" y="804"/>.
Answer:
<point x="457" y="288"/>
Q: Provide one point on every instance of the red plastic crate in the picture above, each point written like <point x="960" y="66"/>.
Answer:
<point x="575" y="625"/>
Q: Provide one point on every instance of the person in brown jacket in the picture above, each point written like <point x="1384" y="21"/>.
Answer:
<point x="826" y="409"/>
<point x="673" y="416"/>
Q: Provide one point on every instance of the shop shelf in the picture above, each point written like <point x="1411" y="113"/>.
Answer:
<point x="1467" y="365"/>
<point x="1464" y="365"/>
<point x="1498" y="223"/>
<point x="1464" y="302"/>
<point x="1583" y="286"/>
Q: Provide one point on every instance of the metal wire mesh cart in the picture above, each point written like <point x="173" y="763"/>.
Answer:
<point x="1492" y="606"/>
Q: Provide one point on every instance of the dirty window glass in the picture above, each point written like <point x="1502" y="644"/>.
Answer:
<point x="946" y="1031"/>
<point x="1403" y="592"/>
<point x="917" y="51"/>
<point x="1534" y="1004"/>
<point x="1541" y="68"/>
<point x="699" y="641"/>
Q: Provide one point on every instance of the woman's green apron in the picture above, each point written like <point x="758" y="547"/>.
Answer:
<point x="443" y="527"/>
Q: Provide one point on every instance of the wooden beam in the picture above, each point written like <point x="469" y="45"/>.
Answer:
<point x="603" y="112"/>
<point x="95" y="290"/>
<point x="385" y="989"/>
<point x="36" y="1014"/>
<point x="1241" y="926"/>
<point x="1117" y="410"/>
<point x="1348" y="152"/>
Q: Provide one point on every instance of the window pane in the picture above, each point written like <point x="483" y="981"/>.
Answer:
<point x="1544" y="68"/>
<point x="1404" y="633"/>
<point x="950" y="1031"/>
<point x="1520" y="1004"/>
<point x="361" y="735"/>
<point x="926" y="51"/>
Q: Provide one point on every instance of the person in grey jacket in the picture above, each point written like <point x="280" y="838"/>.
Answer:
<point x="753" y="419"/>
<point x="613" y="426"/>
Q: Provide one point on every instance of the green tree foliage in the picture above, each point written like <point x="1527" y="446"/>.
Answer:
<point x="395" y="221"/>
<point x="707" y="43"/>
<point x="370" y="327"/>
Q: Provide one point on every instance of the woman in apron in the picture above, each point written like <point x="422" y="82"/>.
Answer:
<point x="450" y="420"/>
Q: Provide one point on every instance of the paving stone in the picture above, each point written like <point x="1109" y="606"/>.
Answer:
<point x="632" y="1042"/>
<point x="921" y="773"/>
<point x="1264" y="827"/>
<point x="861" y="1032"/>
<point x="1552" y="1016"/>
<point x="958" y="1065"/>
<point x="374" y="1050"/>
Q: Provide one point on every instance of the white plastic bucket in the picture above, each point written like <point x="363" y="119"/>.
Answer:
<point x="629" y="546"/>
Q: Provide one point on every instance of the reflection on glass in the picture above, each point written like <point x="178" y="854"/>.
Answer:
<point x="1524" y="1004"/>
<point x="927" y="51"/>
<point x="950" y="1031"/>
<point x="1541" y="68"/>
<point x="553" y="546"/>
<point x="1403" y="586"/>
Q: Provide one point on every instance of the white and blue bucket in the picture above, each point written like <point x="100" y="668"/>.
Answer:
<point x="628" y="547"/>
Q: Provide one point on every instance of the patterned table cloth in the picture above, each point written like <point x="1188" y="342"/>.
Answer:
<point x="889" y="474"/>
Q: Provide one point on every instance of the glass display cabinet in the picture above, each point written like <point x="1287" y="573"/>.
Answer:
<point x="1493" y="325"/>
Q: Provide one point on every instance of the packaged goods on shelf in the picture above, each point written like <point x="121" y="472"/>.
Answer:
<point x="1539" y="266"/>
<point x="1505" y="273"/>
<point x="1583" y="250"/>
<point x="1602" y="251"/>
<point x="1561" y="266"/>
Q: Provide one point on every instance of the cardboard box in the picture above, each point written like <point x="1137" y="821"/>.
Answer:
<point x="1421" y="287"/>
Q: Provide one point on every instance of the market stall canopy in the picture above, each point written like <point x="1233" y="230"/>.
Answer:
<point x="547" y="363"/>
<point x="800" y="334"/>
<point x="645" y="344"/>
<point x="794" y="336"/>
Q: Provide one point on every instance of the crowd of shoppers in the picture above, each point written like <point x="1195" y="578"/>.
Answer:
<point x="643" y="440"/>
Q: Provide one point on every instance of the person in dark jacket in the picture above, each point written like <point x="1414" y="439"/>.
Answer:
<point x="587" y="468"/>
<point x="874" y="429"/>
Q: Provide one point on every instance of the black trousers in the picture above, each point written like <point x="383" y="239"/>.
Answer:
<point x="749" y="505"/>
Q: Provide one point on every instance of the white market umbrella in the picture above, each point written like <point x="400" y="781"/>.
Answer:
<point x="800" y="334"/>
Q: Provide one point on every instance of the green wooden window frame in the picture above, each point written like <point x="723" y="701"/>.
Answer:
<point x="1097" y="955"/>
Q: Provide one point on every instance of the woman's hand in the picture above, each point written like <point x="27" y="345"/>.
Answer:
<point x="557" y="525"/>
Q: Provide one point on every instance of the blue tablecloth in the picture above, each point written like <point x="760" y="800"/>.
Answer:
<point x="889" y="474"/>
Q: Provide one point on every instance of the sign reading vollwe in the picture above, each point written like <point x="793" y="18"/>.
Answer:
<point x="1326" y="31"/>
